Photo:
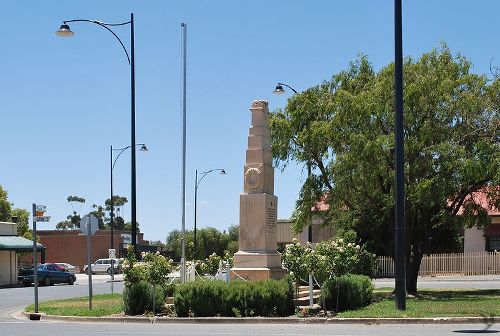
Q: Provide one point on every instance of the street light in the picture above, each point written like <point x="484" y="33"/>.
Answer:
<point x="112" y="166"/>
<point x="65" y="31"/>
<point x="400" y="240"/>
<point x="279" y="90"/>
<point x="196" y="185"/>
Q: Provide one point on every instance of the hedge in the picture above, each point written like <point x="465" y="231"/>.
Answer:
<point x="238" y="298"/>
<point x="354" y="291"/>
<point x="138" y="298"/>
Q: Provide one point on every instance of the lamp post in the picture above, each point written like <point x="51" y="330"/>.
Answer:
<point x="279" y="90"/>
<point x="65" y="31"/>
<point x="112" y="166"/>
<point x="196" y="185"/>
<point x="400" y="241"/>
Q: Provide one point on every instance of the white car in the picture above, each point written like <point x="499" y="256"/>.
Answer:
<point x="104" y="266"/>
<point x="68" y="268"/>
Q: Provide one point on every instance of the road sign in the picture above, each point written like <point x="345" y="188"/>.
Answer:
<point x="127" y="238"/>
<point x="112" y="253"/>
<point x="42" y="219"/>
<point x="39" y="213"/>
<point x="42" y="208"/>
<point x="91" y="220"/>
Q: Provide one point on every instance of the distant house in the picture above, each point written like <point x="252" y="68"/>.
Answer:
<point x="319" y="232"/>
<point x="477" y="240"/>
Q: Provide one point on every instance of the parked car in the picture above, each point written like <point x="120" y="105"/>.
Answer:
<point x="104" y="266"/>
<point x="48" y="274"/>
<point x="69" y="268"/>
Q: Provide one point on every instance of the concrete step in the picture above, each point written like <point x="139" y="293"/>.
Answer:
<point x="306" y="293"/>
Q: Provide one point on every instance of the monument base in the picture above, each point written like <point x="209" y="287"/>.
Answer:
<point x="265" y="259"/>
<point x="258" y="273"/>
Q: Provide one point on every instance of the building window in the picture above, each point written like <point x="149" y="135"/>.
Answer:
<point x="493" y="243"/>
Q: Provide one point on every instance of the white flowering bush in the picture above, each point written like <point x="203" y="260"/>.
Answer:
<point x="145" y="282"/>
<point x="154" y="268"/>
<point x="328" y="259"/>
<point x="210" y="265"/>
<point x="294" y="260"/>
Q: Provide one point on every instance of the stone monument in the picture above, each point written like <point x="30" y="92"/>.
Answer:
<point x="257" y="258"/>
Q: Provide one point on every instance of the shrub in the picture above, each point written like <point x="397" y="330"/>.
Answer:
<point x="328" y="259"/>
<point x="138" y="298"/>
<point x="354" y="291"/>
<point x="238" y="298"/>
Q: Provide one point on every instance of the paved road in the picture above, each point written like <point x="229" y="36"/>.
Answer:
<point x="467" y="282"/>
<point x="14" y="299"/>
<point x="16" y="328"/>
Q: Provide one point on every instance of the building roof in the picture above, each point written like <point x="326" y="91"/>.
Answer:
<point x="481" y="198"/>
<point x="18" y="244"/>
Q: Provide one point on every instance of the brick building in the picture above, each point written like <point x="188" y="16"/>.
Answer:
<point x="70" y="246"/>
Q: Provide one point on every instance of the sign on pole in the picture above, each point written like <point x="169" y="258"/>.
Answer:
<point x="41" y="208"/>
<point x="112" y="253"/>
<point x="38" y="212"/>
<point x="91" y="220"/>
<point x="42" y="218"/>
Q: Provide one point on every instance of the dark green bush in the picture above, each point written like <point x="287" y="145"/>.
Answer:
<point x="354" y="291"/>
<point x="168" y="290"/>
<point x="238" y="298"/>
<point x="138" y="298"/>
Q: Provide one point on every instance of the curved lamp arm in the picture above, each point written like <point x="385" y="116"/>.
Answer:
<point x="203" y="174"/>
<point x="279" y="88"/>
<point x="123" y="150"/>
<point x="105" y="25"/>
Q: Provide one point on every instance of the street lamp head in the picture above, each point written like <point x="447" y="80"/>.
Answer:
<point x="64" y="31"/>
<point x="143" y="148"/>
<point x="223" y="172"/>
<point x="279" y="89"/>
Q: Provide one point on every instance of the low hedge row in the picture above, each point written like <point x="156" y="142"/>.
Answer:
<point x="138" y="298"/>
<point x="238" y="298"/>
<point x="347" y="292"/>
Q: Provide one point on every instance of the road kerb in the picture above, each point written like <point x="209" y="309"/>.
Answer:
<point x="267" y="320"/>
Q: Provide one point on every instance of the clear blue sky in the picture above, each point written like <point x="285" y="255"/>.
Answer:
<point x="65" y="101"/>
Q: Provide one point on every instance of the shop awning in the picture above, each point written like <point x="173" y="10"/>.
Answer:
<point x="18" y="244"/>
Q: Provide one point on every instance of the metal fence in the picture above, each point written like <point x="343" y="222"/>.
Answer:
<point x="469" y="263"/>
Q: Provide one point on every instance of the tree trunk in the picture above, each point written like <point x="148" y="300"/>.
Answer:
<point x="412" y="269"/>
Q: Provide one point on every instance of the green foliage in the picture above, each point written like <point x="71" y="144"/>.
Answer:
<point x="157" y="268"/>
<point x="217" y="298"/>
<point x="23" y="227"/>
<point x="345" y="128"/>
<point x="5" y="206"/>
<point x="210" y="265"/>
<point x="329" y="258"/>
<point x="294" y="260"/>
<point x="154" y="268"/>
<point x="209" y="240"/>
<point x="23" y="215"/>
<point x="348" y="291"/>
<point x="138" y="298"/>
<point x="143" y="280"/>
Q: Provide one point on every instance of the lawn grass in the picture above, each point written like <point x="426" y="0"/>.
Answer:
<point x="102" y="305"/>
<point x="434" y="303"/>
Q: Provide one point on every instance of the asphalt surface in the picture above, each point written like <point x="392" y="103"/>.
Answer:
<point x="16" y="328"/>
<point x="466" y="282"/>
<point x="14" y="299"/>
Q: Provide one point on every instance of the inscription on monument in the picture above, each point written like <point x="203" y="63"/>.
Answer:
<point x="271" y="219"/>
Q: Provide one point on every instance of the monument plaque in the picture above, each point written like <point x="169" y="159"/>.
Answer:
<point x="257" y="258"/>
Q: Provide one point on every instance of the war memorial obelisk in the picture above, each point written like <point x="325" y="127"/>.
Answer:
<point x="257" y="258"/>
